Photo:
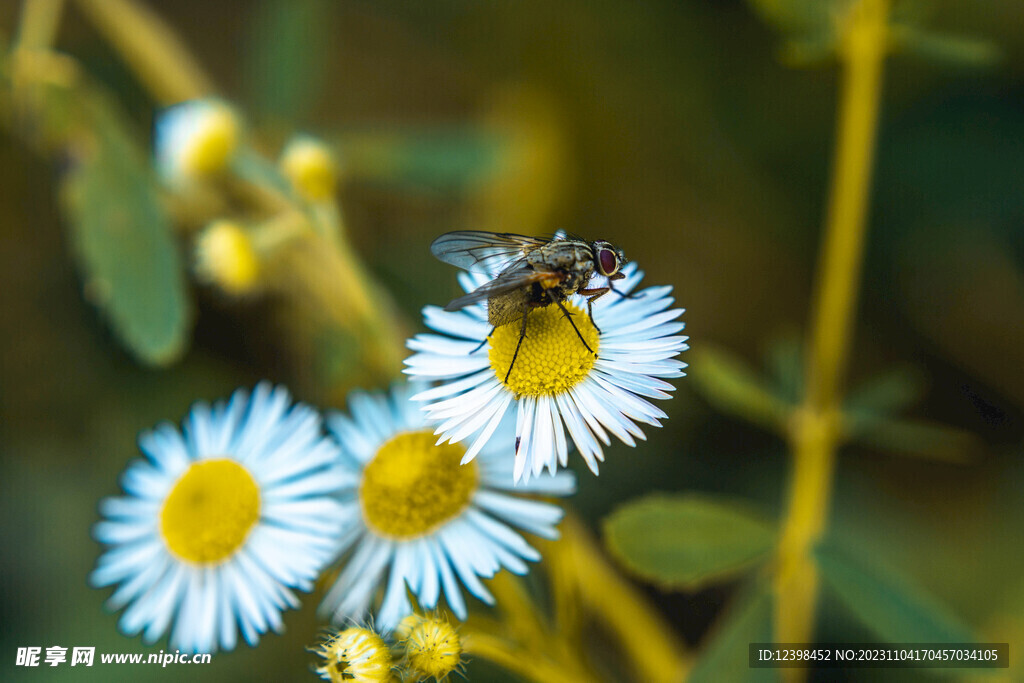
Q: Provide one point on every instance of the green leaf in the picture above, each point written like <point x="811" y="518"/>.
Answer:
<point x="955" y="50"/>
<point x="809" y="51"/>
<point x="687" y="541"/>
<point x="867" y="419"/>
<point x="288" y="54"/>
<point x="887" y="392"/>
<point x="122" y="237"/>
<point x="914" y="438"/>
<point x="810" y="27"/>
<point x="726" y="655"/>
<point x="784" y="361"/>
<point x="733" y="387"/>
<point x="800" y="17"/>
<point x="888" y="604"/>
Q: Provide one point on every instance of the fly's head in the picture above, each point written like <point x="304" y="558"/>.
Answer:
<point x="609" y="259"/>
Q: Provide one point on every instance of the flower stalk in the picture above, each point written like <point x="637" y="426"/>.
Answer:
<point x="518" y="660"/>
<point x="39" y="22"/>
<point x="151" y="49"/>
<point x="523" y="640"/>
<point x="814" y="429"/>
<point x="646" y="638"/>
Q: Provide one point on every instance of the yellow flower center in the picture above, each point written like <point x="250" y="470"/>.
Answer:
<point x="210" y="511"/>
<point x="412" y="486"/>
<point x="552" y="359"/>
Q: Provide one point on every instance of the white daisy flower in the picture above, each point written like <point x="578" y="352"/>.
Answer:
<point x="555" y="380"/>
<point x="221" y="521"/>
<point x="416" y="518"/>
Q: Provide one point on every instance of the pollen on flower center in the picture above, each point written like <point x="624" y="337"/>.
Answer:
<point x="551" y="359"/>
<point x="412" y="486"/>
<point x="210" y="511"/>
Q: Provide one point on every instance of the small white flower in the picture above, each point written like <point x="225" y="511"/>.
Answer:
<point x="221" y="521"/>
<point x="555" y="384"/>
<point x="416" y="518"/>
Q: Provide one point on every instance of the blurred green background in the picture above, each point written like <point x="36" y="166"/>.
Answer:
<point x="671" y="128"/>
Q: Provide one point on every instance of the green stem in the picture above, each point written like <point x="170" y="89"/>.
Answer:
<point x="815" y="430"/>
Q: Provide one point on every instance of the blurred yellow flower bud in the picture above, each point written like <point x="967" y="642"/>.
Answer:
<point x="311" y="169"/>
<point x="196" y="139"/>
<point x="355" y="654"/>
<point x="226" y="257"/>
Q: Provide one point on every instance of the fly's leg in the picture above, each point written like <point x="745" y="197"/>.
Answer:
<point x="619" y="276"/>
<point x="568" y="316"/>
<point x="522" y="336"/>
<point x="481" y="344"/>
<point x="591" y="295"/>
<point x="624" y="295"/>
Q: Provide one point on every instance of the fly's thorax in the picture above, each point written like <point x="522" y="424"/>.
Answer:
<point x="575" y="281"/>
<point x="566" y="255"/>
<point x="575" y="260"/>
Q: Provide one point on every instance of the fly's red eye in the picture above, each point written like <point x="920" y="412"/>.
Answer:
<point x="609" y="262"/>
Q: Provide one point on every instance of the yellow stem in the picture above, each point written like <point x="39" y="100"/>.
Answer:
<point x="151" y="48"/>
<point x="863" y="53"/>
<point x="335" y="282"/>
<point x="645" y="636"/>
<point x="528" y="664"/>
<point x="39" y="22"/>
<point x="560" y="567"/>
<point x="524" y="623"/>
<point x="520" y="616"/>
<point x="323" y="268"/>
<point x="815" y="428"/>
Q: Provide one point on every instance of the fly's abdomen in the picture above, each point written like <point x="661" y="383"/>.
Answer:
<point x="507" y="307"/>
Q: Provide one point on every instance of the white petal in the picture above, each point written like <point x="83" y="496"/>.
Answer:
<point x="499" y="408"/>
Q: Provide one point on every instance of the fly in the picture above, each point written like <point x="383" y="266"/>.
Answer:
<point x="534" y="272"/>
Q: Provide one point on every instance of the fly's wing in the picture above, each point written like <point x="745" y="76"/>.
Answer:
<point x="484" y="252"/>
<point x="510" y="280"/>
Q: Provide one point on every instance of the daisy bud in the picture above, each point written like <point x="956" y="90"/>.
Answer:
<point x="431" y="645"/>
<point x="311" y="169"/>
<point x="225" y="256"/>
<point x="355" y="654"/>
<point x="196" y="139"/>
